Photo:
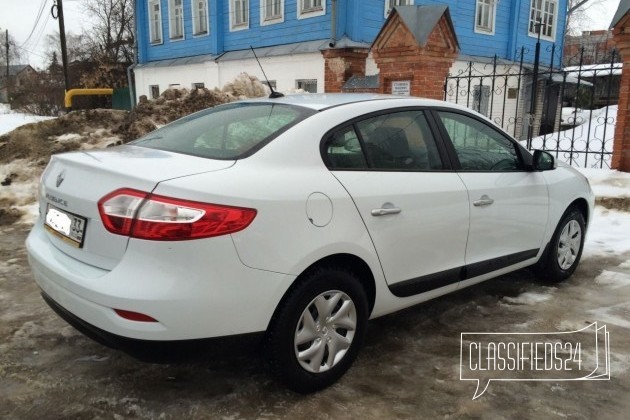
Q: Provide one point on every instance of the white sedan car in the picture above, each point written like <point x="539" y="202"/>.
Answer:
<point x="297" y="219"/>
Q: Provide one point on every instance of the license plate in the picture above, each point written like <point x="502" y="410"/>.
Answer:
<point x="67" y="226"/>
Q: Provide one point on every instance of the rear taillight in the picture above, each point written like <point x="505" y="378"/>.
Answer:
<point x="146" y="216"/>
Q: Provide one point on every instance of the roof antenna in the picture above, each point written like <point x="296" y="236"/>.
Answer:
<point x="273" y="93"/>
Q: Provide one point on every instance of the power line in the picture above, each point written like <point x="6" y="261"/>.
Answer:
<point x="37" y="19"/>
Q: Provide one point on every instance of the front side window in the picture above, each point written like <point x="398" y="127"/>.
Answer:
<point x="176" y="18"/>
<point x="542" y="17"/>
<point x="200" y="16"/>
<point x="389" y="4"/>
<point x="480" y="147"/>
<point x="239" y="10"/>
<point x="484" y="16"/>
<point x="396" y="141"/>
<point x="155" y="21"/>
<point x="226" y="132"/>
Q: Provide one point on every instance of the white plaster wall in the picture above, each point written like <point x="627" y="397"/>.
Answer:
<point x="504" y="110"/>
<point x="285" y="70"/>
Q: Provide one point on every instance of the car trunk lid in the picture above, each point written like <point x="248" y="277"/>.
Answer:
<point x="73" y="183"/>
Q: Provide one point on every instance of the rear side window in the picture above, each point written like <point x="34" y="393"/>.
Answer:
<point x="231" y="131"/>
<point x="394" y="141"/>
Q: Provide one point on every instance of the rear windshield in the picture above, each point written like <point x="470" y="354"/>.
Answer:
<point x="230" y="131"/>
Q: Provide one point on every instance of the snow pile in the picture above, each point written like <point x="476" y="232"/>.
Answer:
<point x="608" y="233"/>
<point x="608" y="182"/>
<point x="592" y="135"/>
<point x="10" y="120"/>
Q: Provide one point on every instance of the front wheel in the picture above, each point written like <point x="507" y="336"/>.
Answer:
<point x="317" y="330"/>
<point x="565" y="248"/>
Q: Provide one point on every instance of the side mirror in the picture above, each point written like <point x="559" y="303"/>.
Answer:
<point x="543" y="161"/>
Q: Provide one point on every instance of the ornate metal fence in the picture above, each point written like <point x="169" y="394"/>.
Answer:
<point x="569" y="111"/>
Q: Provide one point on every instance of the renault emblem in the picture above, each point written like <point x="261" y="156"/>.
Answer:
<point x="61" y="177"/>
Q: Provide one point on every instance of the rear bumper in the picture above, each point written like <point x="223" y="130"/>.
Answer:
<point x="194" y="289"/>
<point x="161" y="351"/>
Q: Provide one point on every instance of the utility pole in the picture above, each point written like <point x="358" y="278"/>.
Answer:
<point x="6" y="44"/>
<point x="57" y="13"/>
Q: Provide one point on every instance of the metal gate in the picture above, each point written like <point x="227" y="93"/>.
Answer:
<point x="569" y="111"/>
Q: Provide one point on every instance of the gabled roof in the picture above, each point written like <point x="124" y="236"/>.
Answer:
<point x="624" y="7"/>
<point x="421" y="20"/>
<point x="14" y="69"/>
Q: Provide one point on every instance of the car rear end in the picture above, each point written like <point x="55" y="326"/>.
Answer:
<point x="114" y="258"/>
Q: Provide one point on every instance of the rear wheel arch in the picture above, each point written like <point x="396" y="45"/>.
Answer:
<point x="347" y="262"/>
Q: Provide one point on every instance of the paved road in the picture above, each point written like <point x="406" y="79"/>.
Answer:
<point x="409" y="367"/>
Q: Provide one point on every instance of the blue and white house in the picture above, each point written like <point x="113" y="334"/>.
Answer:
<point x="194" y="43"/>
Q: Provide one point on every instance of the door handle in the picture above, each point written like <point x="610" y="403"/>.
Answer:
<point x="483" y="201"/>
<point x="385" y="211"/>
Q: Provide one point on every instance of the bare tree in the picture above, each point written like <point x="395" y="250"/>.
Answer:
<point x="578" y="15"/>
<point x="112" y="37"/>
<point x="77" y="47"/>
<point x="14" y="52"/>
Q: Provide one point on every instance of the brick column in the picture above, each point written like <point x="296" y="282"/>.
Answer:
<point x="341" y="64"/>
<point x="401" y="57"/>
<point x="621" y="146"/>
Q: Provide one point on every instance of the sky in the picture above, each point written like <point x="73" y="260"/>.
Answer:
<point x="20" y="16"/>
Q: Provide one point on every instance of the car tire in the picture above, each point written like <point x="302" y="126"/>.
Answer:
<point x="565" y="249"/>
<point x="317" y="330"/>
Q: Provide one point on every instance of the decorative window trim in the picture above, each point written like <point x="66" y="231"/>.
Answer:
<point x="195" y="18"/>
<point x="171" y="21"/>
<point x="273" y="19"/>
<point x="305" y="13"/>
<point x="389" y="5"/>
<point x="155" y="40"/>
<point x="488" y="3"/>
<point x="242" y="25"/>
<point x="554" y="24"/>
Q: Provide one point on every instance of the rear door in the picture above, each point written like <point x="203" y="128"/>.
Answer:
<point x="415" y="209"/>
<point x="508" y="202"/>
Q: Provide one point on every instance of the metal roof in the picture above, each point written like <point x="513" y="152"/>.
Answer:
<point x="624" y="6"/>
<point x="362" y="82"/>
<point x="421" y="20"/>
<point x="273" y="51"/>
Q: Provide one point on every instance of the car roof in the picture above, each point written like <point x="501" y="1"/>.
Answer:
<point x="320" y="101"/>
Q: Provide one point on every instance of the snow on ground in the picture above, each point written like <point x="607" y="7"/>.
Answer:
<point x="608" y="182"/>
<point x="608" y="234"/>
<point x="597" y="126"/>
<point x="10" y="120"/>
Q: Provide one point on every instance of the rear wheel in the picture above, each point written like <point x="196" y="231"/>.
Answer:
<point x="318" y="329"/>
<point x="565" y="248"/>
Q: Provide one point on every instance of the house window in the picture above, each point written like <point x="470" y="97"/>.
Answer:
<point x="176" y="18"/>
<point x="307" y="85"/>
<point x="199" y="85"/>
<point x="200" y="16"/>
<point x="155" y="21"/>
<point x="311" y="8"/>
<point x="155" y="91"/>
<point x="485" y="14"/>
<point x="481" y="96"/>
<point x="271" y="84"/>
<point x="239" y="10"/>
<point x="272" y="11"/>
<point x="389" y="4"/>
<point x="544" y="12"/>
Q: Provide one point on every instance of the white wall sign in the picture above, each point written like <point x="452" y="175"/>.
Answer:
<point x="401" y="87"/>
